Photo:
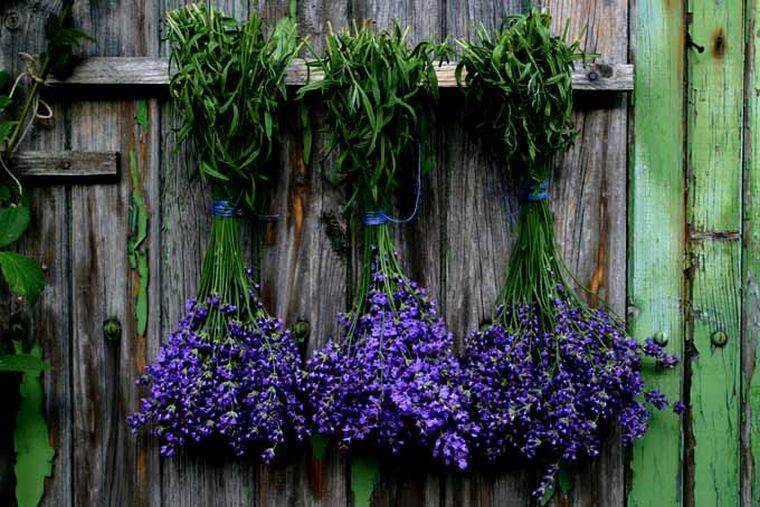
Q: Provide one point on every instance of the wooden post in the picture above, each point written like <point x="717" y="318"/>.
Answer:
<point x="714" y="176"/>
<point x="655" y="240"/>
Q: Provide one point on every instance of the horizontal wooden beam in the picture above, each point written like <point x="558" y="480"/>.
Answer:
<point x="65" y="164"/>
<point x="152" y="72"/>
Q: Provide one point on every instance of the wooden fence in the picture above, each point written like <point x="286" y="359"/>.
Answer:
<point x="656" y="209"/>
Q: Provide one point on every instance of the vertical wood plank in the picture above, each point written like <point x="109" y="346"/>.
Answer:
<point x="46" y="242"/>
<point x="656" y="218"/>
<point x="304" y="279"/>
<point x="751" y="265"/>
<point x="589" y="203"/>
<point x="191" y="478"/>
<point x="477" y="240"/>
<point x="109" y="465"/>
<point x="714" y="178"/>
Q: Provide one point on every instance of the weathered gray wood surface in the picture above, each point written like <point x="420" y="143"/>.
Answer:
<point x="457" y="248"/>
<point x="65" y="164"/>
<point x="152" y="72"/>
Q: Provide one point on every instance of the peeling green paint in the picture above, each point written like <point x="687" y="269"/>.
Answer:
<point x="364" y="471"/>
<point x="138" y="225"/>
<point x="34" y="455"/>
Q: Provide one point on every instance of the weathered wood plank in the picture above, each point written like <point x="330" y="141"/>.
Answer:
<point x="191" y="478"/>
<point x="304" y="279"/>
<point x="656" y="218"/>
<point x="478" y="235"/>
<point x="65" y="164"/>
<point x="46" y="241"/>
<point x="154" y="72"/>
<point x="714" y="178"/>
<point x="751" y="267"/>
<point x="589" y="204"/>
<point x="109" y="465"/>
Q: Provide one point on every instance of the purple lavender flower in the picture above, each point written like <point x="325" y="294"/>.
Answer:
<point x="679" y="407"/>
<point x="545" y="393"/>
<point x="391" y="379"/>
<point x="242" y="388"/>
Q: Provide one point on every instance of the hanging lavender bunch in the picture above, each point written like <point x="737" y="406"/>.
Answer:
<point x="550" y="375"/>
<point x="389" y="379"/>
<point x="229" y="372"/>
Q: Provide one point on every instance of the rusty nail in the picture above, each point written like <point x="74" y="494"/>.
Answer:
<point x="12" y="20"/>
<point x="112" y="329"/>
<point x="44" y="267"/>
<point x="593" y="75"/>
<point x="660" y="338"/>
<point x="719" y="338"/>
<point x="65" y="164"/>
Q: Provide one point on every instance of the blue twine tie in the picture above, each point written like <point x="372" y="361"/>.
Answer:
<point x="529" y="193"/>
<point x="224" y="209"/>
<point x="228" y="209"/>
<point x="380" y="217"/>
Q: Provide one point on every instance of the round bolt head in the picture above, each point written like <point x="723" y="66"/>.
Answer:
<point x="112" y="329"/>
<point x="719" y="338"/>
<point x="660" y="338"/>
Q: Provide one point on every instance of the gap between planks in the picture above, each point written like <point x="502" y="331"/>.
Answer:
<point x="141" y="71"/>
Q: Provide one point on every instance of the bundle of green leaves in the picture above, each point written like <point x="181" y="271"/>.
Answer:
<point x="550" y="375"/>
<point x="228" y="87"/>
<point x="239" y="382"/>
<point x="389" y="380"/>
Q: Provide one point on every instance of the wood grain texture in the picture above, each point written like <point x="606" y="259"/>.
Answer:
<point x="154" y="72"/>
<point x="65" y="164"/>
<point x="751" y="267"/>
<point x="477" y="240"/>
<point x="589" y="204"/>
<point x="714" y="196"/>
<point x="46" y="241"/>
<point x="656" y="243"/>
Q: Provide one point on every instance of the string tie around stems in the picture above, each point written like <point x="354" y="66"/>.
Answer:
<point x="380" y="217"/>
<point x="224" y="208"/>
<point x="528" y="193"/>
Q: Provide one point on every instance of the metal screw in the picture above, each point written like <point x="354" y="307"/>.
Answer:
<point x="660" y="338"/>
<point x="12" y="20"/>
<point x="112" y="329"/>
<point x="719" y="338"/>
<point x="593" y="76"/>
<point x="65" y="164"/>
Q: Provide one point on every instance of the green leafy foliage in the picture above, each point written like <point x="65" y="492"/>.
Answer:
<point x="377" y="90"/>
<point x="62" y="37"/>
<point x="519" y="89"/>
<point x="34" y="454"/>
<point x="24" y="275"/>
<point x="364" y="472"/>
<point x="228" y="86"/>
<point x="13" y="222"/>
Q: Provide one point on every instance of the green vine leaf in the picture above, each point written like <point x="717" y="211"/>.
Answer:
<point x="24" y="276"/>
<point x="34" y="455"/>
<point x="13" y="222"/>
<point x="364" y="472"/>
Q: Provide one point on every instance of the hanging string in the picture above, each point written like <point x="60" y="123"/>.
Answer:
<point x="36" y="115"/>
<point x="380" y="217"/>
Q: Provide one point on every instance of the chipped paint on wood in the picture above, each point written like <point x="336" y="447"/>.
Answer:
<point x="714" y="160"/>
<point x="751" y="266"/>
<point x="138" y="225"/>
<point x="655" y="239"/>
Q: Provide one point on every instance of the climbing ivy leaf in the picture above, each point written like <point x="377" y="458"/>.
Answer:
<point x="34" y="455"/>
<point x="13" y="222"/>
<point x="24" y="276"/>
